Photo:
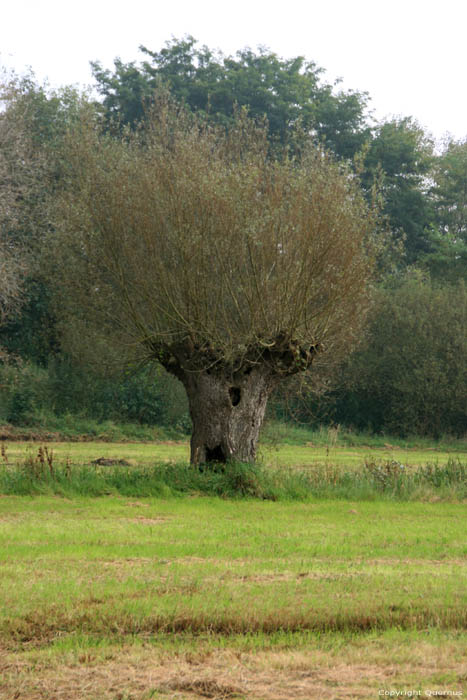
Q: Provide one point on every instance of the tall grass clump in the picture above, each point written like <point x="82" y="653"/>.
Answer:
<point x="376" y="479"/>
<point x="39" y="474"/>
<point x="390" y="479"/>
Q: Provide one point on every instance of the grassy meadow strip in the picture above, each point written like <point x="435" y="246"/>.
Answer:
<point x="47" y="427"/>
<point x="345" y="574"/>
<point x="118" y="568"/>
<point x="41" y="473"/>
<point x="275" y="455"/>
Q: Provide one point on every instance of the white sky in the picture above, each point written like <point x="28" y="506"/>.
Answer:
<point x="410" y="55"/>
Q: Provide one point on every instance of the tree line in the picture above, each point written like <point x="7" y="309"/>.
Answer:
<point x="404" y="372"/>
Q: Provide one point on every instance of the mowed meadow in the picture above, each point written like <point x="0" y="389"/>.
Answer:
<point x="298" y="586"/>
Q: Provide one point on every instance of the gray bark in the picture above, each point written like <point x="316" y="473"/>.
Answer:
<point x="227" y="413"/>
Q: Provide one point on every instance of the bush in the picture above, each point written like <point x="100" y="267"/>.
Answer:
<point x="28" y="392"/>
<point x="23" y="390"/>
<point x="411" y="375"/>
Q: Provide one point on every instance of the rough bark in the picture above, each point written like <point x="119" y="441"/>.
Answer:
<point x="227" y="413"/>
<point x="228" y="400"/>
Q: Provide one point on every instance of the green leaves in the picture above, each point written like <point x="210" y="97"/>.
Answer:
<point x="448" y="238"/>
<point x="285" y="92"/>
<point x="400" y="156"/>
<point x="410" y="376"/>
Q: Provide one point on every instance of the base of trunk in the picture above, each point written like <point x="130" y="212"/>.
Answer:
<point x="227" y="414"/>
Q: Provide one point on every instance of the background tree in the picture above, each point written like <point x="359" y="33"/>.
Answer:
<point x="11" y="274"/>
<point x="400" y="157"/>
<point x="284" y="91"/>
<point x="33" y="122"/>
<point x="19" y="170"/>
<point x="193" y="247"/>
<point x="447" y="258"/>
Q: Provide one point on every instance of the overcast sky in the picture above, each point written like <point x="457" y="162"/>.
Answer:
<point x="410" y="55"/>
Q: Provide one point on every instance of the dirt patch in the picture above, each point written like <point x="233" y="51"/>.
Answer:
<point x="141" y="520"/>
<point x="266" y="577"/>
<point x="240" y="561"/>
<point x="410" y="562"/>
<point x="206" y="688"/>
<point x="110" y="462"/>
<point x="127" y="561"/>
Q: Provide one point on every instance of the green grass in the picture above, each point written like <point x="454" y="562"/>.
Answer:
<point x="275" y="455"/>
<point x="304" y="456"/>
<point x="40" y="471"/>
<point x="117" y="567"/>
<point x="197" y="595"/>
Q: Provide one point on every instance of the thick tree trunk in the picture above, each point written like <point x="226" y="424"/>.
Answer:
<point x="227" y="413"/>
<point x="227" y="406"/>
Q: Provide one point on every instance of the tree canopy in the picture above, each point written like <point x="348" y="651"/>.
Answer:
<point x="409" y="376"/>
<point x="19" y="168"/>
<point x="33" y="121"/>
<point x="447" y="257"/>
<point x="286" y="92"/>
<point x="401" y="156"/>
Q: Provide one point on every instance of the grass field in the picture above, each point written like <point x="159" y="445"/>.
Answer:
<point x="196" y="597"/>
<point x="280" y="455"/>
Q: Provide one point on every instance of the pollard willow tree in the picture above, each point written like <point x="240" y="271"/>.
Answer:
<point x="198" y="249"/>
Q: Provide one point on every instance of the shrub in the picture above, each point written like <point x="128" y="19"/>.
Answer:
<point x="410" y="377"/>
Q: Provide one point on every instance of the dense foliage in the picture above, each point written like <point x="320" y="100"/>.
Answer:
<point x="288" y="92"/>
<point x="410" y="376"/>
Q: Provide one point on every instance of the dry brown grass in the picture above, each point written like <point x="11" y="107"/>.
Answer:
<point x="99" y="616"/>
<point x="357" y="671"/>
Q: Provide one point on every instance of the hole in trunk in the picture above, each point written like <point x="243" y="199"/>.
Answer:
<point x="235" y="395"/>
<point x="216" y="454"/>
